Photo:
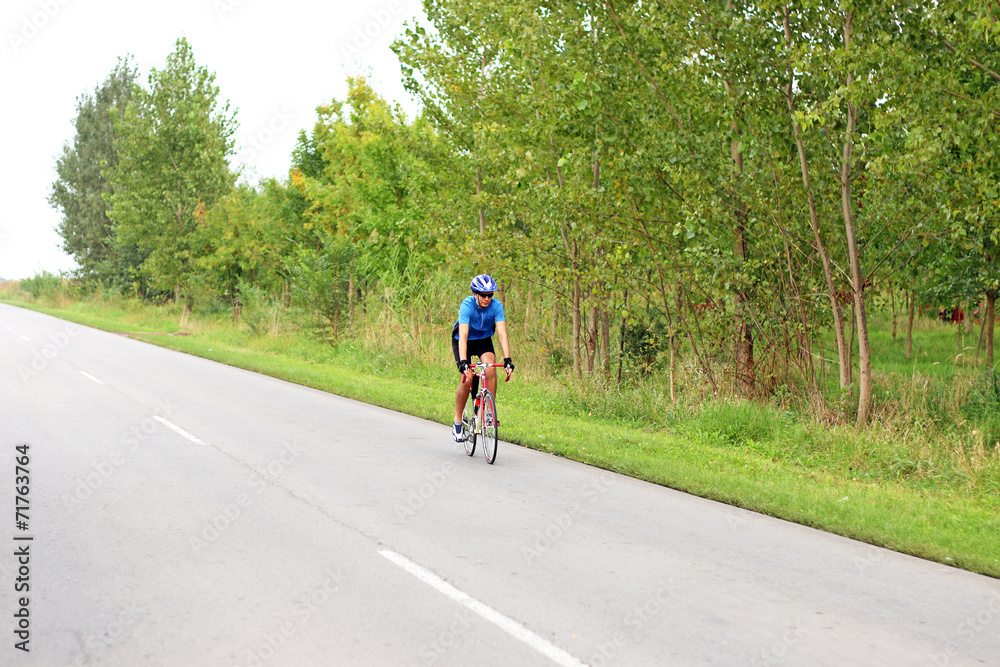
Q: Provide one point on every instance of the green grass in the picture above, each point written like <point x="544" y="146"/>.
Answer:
<point x="903" y="484"/>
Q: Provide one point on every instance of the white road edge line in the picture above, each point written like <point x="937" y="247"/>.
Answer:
<point x="25" y="338"/>
<point x="509" y="625"/>
<point x="90" y="377"/>
<point x="179" y="430"/>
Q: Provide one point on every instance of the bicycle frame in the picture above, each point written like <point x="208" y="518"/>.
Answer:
<point x="479" y="371"/>
<point x="478" y="425"/>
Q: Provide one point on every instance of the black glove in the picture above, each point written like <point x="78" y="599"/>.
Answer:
<point x="508" y="364"/>
<point x="463" y="366"/>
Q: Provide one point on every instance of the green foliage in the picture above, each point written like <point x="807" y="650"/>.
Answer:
<point x="982" y="408"/>
<point x="259" y="310"/>
<point x="43" y="286"/>
<point x="173" y="141"/>
<point x="643" y="342"/>
<point x="82" y="185"/>
<point x="321" y="285"/>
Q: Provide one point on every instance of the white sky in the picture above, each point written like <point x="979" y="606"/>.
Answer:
<point x="274" y="61"/>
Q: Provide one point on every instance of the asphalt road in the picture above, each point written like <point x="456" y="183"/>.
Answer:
<point x="182" y="512"/>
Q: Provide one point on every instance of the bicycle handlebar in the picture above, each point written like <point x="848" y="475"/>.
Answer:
<point x="482" y="366"/>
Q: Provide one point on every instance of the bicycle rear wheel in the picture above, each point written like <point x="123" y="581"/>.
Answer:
<point x="489" y="417"/>
<point x="469" y="427"/>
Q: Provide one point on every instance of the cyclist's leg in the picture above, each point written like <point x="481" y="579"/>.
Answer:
<point x="464" y="386"/>
<point x="488" y="354"/>
<point x="484" y="348"/>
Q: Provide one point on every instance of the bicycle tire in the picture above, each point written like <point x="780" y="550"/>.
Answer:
<point x="469" y="427"/>
<point x="489" y="416"/>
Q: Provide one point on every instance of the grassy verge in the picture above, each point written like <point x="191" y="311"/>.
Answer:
<point x="861" y="485"/>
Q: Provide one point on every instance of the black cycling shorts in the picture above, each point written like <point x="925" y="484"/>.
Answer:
<point x="474" y="348"/>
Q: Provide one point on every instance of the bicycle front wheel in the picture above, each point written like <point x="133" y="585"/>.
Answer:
<point x="489" y="420"/>
<point x="469" y="427"/>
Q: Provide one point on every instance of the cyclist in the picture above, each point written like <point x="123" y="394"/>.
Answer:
<point x="478" y="316"/>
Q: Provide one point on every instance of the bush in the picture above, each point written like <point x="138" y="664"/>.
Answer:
<point x="320" y="282"/>
<point x="982" y="406"/>
<point x="43" y="286"/>
<point x="259" y="310"/>
<point x="643" y="342"/>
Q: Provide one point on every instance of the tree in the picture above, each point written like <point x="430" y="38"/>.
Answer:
<point x="81" y="187"/>
<point x="173" y="145"/>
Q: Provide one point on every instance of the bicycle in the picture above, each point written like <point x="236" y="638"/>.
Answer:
<point x="480" y="415"/>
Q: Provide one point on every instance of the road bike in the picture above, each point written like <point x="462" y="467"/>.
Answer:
<point x="479" y="420"/>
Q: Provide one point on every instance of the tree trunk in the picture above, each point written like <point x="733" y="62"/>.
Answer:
<point x="991" y="301"/>
<point x="854" y="331"/>
<point x="831" y="287"/>
<point x="909" y="324"/>
<point x="857" y="277"/>
<point x="555" y="317"/>
<point x="621" y="340"/>
<point x="982" y="330"/>
<point x="577" y="365"/>
<point x="605" y="342"/>
<point x="892" y="301"/>
<point x="673" y="370"/>
<point x="577" y="370"/>
<point x="591" y="341"/>
<point x="957" y="318"/>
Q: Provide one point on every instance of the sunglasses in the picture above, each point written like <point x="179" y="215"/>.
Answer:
<point x="488" y="294"/>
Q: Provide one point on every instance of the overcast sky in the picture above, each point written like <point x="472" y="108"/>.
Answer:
<point x="274" y="61"/>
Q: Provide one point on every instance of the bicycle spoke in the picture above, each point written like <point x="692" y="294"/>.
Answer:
<point x="469" y="428"/>
<point x="489" y="421"/>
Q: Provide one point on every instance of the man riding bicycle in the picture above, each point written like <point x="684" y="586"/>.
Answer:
<point x="472" y="335"/>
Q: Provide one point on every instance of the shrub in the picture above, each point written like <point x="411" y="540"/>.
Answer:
<point x="43" y="286"/>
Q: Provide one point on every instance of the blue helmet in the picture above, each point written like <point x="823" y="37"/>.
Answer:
<point x="484" y="283"/>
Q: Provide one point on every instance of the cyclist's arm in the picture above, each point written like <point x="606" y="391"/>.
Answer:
<point x="463" y="340"/>
<point x="502" y="333"/>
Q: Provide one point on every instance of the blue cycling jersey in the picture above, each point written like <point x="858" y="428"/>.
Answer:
<point x="481" y="321"/>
